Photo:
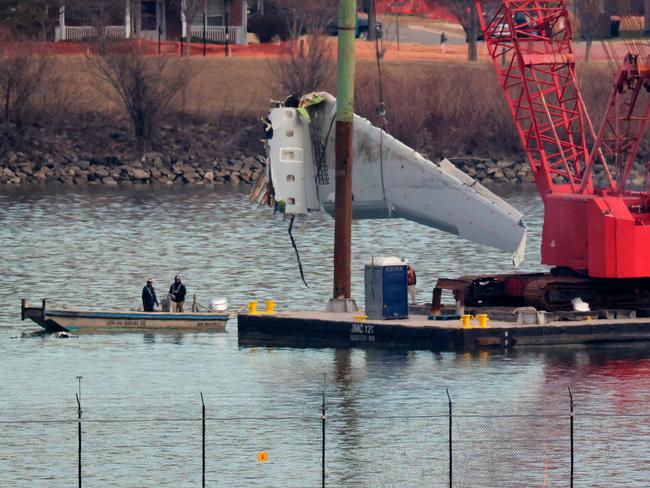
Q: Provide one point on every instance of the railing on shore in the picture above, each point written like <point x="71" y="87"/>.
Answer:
<point x="82" y="32"/>
<point x="217" y="33"/>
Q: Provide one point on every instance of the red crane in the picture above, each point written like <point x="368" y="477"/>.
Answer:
<point x="596" y="230"/>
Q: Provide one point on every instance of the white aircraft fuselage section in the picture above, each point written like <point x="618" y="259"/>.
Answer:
<point x="390" y="180"/>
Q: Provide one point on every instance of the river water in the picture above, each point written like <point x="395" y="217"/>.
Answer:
<point x="95" y="247"/>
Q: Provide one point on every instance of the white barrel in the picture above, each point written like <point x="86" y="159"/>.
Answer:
<point x="218" y="305"/>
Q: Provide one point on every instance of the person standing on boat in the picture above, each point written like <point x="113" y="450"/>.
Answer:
<point x="177" y="292"/>
<point x="149" y="298"/>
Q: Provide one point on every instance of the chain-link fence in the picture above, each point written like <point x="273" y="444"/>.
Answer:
<point x="348" y="443"/>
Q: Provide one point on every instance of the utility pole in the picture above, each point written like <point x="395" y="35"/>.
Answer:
<point x="372" y="20"/>
<point x="343" y="168"/>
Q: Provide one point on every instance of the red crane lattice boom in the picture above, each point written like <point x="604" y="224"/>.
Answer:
<point x="600" y="230"/>
<point x="530" y="43"/>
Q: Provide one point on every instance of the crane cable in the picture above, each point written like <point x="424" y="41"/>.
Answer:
<point x="381" y="110"/>
<point x="293" y="243"/>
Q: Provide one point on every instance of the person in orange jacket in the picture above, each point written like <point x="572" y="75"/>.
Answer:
<point x="411" y="280"/>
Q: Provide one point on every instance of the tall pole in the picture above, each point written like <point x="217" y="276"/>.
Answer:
<point x="344" y="112"/>
<point x="203" y="442"/>
<point x="227" y="35"/>
<point x="571" y="434"/>
<point x="79" y="439"/>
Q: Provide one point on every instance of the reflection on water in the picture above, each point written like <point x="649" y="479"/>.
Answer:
<point x="96" y="247"/>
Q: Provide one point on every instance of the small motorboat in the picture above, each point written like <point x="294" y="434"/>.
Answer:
<point x="61" y="319"/>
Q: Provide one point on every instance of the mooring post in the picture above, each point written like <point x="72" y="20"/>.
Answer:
<point x="571" y="434"/>
<point x="451" y="451"/>
<point x="203" y="441"/>
<point x="79" y="436"/>
<point x="323" y="420"/>
<point x="343" y="167"/>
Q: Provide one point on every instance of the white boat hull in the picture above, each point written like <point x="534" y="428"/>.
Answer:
<point x="76" y="321"/>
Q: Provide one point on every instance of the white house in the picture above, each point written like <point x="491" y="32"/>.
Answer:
<point x="151" y="19"/>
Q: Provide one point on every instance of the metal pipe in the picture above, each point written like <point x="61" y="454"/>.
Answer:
<point x="323" y="420"/>
<point x="571" y="430"/>
<point x="450" y="440"/>
<point x="343" y="167"/>
<point x="79" y="436"/>
<point x="203" y="441"/>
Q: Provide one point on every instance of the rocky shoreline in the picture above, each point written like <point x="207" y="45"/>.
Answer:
<point x="190" y="154"/>
<point x="487" y="170"/>
<point x="102" y="153"/>
<point x="153" y="168"/>
<point x="17" y="168"/>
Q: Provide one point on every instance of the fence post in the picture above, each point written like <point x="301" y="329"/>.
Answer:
<point x="79" y="436"/>
<point x="571" y="433"/>
<point x="451" y="452"/>
<point x="227" y="34"/>
<point x="323" y="420"/>
<point x="205" y="24"/>
<point x="203" y="441"/>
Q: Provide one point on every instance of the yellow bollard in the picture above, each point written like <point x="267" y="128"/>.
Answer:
<point x="465" y="320"/>
<point x="252" y="307"/>
<point x="482" y="319"/>
<point x="270" y="306"/>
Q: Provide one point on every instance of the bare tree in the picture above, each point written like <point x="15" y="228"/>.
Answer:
<point x="372" y="19"/>
<point x="100" y="14"/>
<point x="31" y="18"/>
<point x="590" y="14"/>
<point x="307" y="62"/>
<point x="306" y="16"/>
<point x="189" y="9"/>
<point x="143" y="87"/>
<point x="465" y="11"/>
<point x="21" y="75"/>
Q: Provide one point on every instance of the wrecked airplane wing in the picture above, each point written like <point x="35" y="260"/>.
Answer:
<point x="390" y="180"/>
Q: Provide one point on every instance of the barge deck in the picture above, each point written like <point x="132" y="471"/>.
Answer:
<point x="328" y="329"/>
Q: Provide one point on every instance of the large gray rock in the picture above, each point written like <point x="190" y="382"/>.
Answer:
<point x="504" y="164"/>
<point x="138" y="174"/>
<point x="100" y="171"/>
<point x="107" y="180"/>
<point x="40" y="176"/>
<point x="234" y="165"/>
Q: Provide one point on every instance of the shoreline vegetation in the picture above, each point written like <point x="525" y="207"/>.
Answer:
<point x="72" y="132"/>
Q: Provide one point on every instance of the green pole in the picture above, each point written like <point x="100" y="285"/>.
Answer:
<point x="345" y="72"/>
<point x="344" y="112"/>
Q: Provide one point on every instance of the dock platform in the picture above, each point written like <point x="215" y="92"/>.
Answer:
<point x="327" y="329"/>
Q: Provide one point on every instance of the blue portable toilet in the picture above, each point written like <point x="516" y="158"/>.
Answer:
<point x="386" y="288"/>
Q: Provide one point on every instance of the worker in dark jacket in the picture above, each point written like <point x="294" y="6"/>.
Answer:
<point x="149" y="297"/>
<point x="177" y="292"/>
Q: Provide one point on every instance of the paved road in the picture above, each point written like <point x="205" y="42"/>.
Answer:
<point x="422" y="34"/>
